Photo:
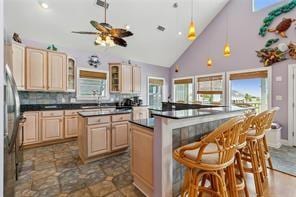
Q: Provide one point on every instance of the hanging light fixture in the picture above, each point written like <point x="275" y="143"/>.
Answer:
<point x="227" y="51"/>
<point x="176" y="6"/>
<point x="210" y="62"/>
<point x="191" y="32"/>
<point x="177" y="68"/>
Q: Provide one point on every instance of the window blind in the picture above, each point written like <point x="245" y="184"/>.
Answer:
<point x="92" y="74"/>
<point x="183" y="81"/>
<point x="210" y="85"/>
<point x="156" y="82"/>
<point x="249" y="75"/>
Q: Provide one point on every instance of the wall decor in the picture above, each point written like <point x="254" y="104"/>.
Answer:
<point x="52" y="47"/>
<point x="269" y="56"/>
<point x="271" y="42"/>
<point x="94" y="61"/>
<point x="275" y="13"/>
<point x="16" y="38"/>
<point x="282" y="27"/>
<point x="292" y="50"/>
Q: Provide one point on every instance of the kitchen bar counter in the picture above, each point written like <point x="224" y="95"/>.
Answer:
<point x="192" y="113"/>
<point x="103" y="112"/>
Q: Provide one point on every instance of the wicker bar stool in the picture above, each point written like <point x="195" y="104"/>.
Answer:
<point x="208" y="159"/>
<point x="268" y="128"/>
<point x="253" y="153"/>
<point x="241" y="183"/>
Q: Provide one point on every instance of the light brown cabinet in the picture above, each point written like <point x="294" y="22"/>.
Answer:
<point x="125" y="78"/>
<point x="36" y="69"/>
<point x="98" y="139"/>
<point x="140" y="113"/>
<point x="136" y="79"/>
<point x="142" y="158"/>
<point x="71" y="126"/>
<point x="18" y="65"/>
<point x="119" y="135"/>
<point x="71" y="74"/>
<point x="52" y="128"/>
<point x="57" y="71"/>
<point x="31" y="128"/>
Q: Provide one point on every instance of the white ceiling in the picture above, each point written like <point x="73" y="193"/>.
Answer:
<point x="148" y="45"/>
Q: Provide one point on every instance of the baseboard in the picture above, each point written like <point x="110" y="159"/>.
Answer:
<point x="285" y="142"/>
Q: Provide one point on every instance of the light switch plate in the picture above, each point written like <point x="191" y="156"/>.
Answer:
<point x="278" y="98"/>
<point x="73" y="100"/>
<point x="278" y="78"/>
<point x="63" y="100"/>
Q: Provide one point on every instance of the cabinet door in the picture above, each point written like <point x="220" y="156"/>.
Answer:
<point x="18" y="65"/>
<point x="115" y="77"/>
<point x="31" y="128"/>
<point x="98" y="137"/>
<point x="36" y="69"/>
<point x="71" y="126"/>
<point x="57" y="71"/>
<point x="119" y="135"/>
<point x="140" y="113"/>
<point x="127" y="72"/>
<point x="136" y="79"/>
<point x="52" y="128"/>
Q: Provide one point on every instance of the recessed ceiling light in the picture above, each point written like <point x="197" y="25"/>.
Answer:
<point x="43" y="4"/>
<point x="127" y="27"/>
<point x="179" y="33"/>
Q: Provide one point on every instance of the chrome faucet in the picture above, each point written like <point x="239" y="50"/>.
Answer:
<point x="99" y="97"/>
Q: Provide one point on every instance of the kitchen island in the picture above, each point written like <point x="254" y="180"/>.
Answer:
<point x="159" y="137"/>
<point x="102" y="133"/>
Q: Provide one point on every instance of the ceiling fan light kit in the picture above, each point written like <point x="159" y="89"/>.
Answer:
<point x="107" y="36"/>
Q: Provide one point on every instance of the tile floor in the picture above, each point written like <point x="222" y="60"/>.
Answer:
<point x="284" y="159"/>
<point x="56" y="170"/>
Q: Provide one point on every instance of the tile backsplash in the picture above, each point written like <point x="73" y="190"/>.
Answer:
<point x="59" y="97"/>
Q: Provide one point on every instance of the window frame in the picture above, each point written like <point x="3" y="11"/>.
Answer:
<point x="163" y="87"/>
<point x="269" y="83"/>
<point x="254" y="9"/>
<point x="178" y="78"/>
<point x="81" y="98"/>
<point x="210" y="75"/>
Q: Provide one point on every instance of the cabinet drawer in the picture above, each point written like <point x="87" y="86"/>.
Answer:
<point x="72" y="112"/>
<point x="98" y="120"/>
<point x="121" y="117"/>
<point x="52" y="113"/>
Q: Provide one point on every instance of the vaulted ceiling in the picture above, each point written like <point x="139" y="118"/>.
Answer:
<point x="149" y="45"/>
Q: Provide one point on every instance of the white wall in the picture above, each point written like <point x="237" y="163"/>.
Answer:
<point x="1" y="96"/>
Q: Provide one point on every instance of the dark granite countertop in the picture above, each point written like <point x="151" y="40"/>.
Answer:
<point x="148" y="123"/>
<point x="103" y="112"/>
<point x="191" y="113"/>
<point x="71" y="106"/>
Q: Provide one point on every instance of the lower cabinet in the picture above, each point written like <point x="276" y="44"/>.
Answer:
<point x="52" y="128"/>
<point x="71" y="126"/>
<point x="31" y="128"/>
<point x="120" y="135"/>
<point x="140" y="113"/>
<point x="98" y="137"/>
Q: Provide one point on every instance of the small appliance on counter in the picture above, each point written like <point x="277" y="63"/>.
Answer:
<point x="137" y="101"/>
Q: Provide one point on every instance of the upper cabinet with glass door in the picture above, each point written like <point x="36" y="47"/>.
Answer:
<point x="71" y="73"/>
<point x="124" y="78"/>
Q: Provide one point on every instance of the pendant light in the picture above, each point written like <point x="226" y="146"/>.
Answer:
<point x="227" y="51"/>
<point x="210" y="63"/>
<point x="176" y="7"/>
<point x="191" y="32"/>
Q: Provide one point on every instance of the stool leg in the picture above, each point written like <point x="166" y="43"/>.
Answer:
<point x="267" y="151"/>
<point x="238" y="157"/>
<point x="262" y="157"/>
<point x="186" y="182"/>
<point x="252" y="146"/>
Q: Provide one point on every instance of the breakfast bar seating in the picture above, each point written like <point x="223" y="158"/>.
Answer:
<point x="208" y="158"/>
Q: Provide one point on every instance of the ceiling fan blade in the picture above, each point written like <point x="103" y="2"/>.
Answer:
<point x="106" y="25"/>
<point x="119" y="41"/>
<point x="99" y="27"/>
<point x="85" y="32"/>
<point x="117" y="32"/>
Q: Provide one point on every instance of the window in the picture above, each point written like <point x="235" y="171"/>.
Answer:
<point x="250" y="89"/>
<point x="155" y="91"/>
<point x="261" y="4"/>
<point x="183" y="90"/>
<point x="210" y="89"/>
<point x="91" y="84"/>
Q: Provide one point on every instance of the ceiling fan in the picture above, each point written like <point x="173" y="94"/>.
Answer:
<point x="106" y="34"/>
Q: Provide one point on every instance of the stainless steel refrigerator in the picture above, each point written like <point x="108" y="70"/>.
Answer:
<point x="12" y="132"/>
